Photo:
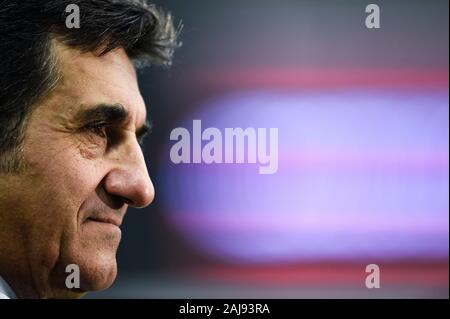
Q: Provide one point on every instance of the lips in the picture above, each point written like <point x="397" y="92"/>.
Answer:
<point x="114" y="220"/>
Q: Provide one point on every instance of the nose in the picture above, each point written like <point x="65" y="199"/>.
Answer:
<point x="130" y="180"/>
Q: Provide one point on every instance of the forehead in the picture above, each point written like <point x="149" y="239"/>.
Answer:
<point x="87" y="79"/>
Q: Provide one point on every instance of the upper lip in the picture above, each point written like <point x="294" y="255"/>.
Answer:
<point x="106" y="218"/>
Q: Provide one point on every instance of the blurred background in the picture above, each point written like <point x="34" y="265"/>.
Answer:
<point x="363" y="177"/>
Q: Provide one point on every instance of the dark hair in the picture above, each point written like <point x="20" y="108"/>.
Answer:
<point x="28" y="68"/>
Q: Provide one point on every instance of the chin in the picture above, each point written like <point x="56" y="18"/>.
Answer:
<point x="98" y="273"/>
<point x="97" y="267"/>
<point x="94" y="252"/>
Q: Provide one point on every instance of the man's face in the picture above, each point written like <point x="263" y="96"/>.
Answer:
<point x="84" y="166"/>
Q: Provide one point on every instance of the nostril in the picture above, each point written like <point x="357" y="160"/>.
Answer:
<point x="118" y="201"/>
<point x="111" y="200"/>
<point x="128" y="202"/>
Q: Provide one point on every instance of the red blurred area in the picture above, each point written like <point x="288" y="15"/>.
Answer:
<point x="432" y="274"/>
<point x="307" y="78"/>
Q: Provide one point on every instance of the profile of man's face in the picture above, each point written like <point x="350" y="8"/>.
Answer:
<point x="83" y="168"/>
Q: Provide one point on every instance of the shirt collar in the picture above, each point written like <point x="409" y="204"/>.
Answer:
<point x="5" y="290"/>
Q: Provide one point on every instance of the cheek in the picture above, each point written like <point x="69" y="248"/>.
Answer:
<point x="63" y="180"/>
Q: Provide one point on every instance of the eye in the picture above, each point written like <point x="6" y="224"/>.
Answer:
<point x="98" y="129"/>
<point x="142" y="133"/>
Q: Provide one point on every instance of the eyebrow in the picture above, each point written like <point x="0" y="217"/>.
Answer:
<point x="111" y="114"/>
